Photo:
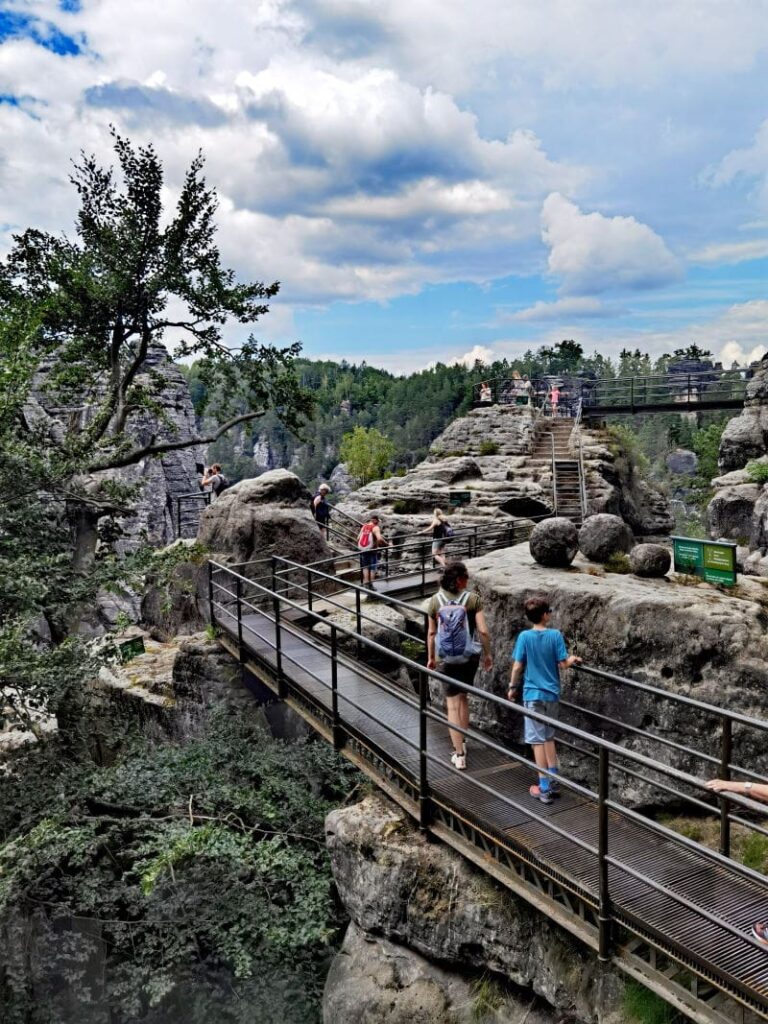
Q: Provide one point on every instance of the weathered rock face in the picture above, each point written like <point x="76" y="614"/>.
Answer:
<point x="162" y="479"/>
<point x="554" y="542"/>
<point x="650" y="560"/>
<point x="181" y="605"/>
<point x="614" y="486"/>
<point x="340" y="480"/>
<point x="731" y="511"/>
<point x="374" y="981"/>
<point x="683" y="462"/>
<point x="264" y="516"/>
<point x="422" y="895"/>
<point x="263" y="456"/>
<point x="602" y="536"/>
<point x="746" y="436"/>
<point x="715" y="651"/>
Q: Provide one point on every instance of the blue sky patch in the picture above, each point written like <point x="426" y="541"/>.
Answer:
<point x="15" y="25"/>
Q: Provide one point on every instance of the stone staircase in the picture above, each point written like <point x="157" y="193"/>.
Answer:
<point x="566" y="466"/>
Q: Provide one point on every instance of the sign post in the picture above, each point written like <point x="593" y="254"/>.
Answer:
<point x="458" y="498"/>
<point x="714" y="561"/>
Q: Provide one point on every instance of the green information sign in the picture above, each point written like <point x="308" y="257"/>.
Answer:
<point x="458" y="498"/>
<point x="131" y="648"/>
<point x="714" y="561"/>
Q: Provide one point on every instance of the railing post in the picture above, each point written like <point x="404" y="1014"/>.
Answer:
<point x="282" y="689"/>
<point x="604" y="909"/>
<point x="239" y="606"/>
<point x="632" y="393"/>
<point x="309" y="589"/>
<point x="358" y="622"/>
<point x="211" y="610"/>
<point x="424" y="567"/>
<point x="726" y="749"/>
<point x="424" y="801"/>
<point x="338" y="740"/>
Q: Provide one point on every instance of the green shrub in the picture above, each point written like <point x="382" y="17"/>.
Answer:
<point x="406" y="507"/>
<point x="758" y="471"/>
<point x="755" y="852"/>
<point x="618" y="563"/>
<point x="645" y="1007"/>
<point x="489" y="448"/>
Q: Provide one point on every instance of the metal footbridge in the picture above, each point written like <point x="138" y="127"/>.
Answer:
<point x="656" y="904"/>
<point x="674" y="391"/>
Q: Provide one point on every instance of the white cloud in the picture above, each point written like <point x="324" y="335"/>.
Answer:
<point x="750" y="162"/>
<point x="478" y="353"/>
<point x="731" y="252"/>
<point x="733" y="352"/>
<point x="579" y="307"/>
<point x="591" y="253"/>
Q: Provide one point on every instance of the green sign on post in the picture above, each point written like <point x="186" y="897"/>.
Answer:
<point x="714" y="561"/>
<point x="458" y="498"/>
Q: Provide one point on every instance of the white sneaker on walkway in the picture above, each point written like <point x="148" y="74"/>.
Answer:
<point x="459" y="761"/>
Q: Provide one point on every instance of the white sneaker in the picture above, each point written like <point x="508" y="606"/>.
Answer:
<point x="459" y="761"/>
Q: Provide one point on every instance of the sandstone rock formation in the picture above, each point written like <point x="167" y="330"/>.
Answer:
<point x="682" y="462"/>
<point x="554" y="542"/>
<point x="602" y="536"/>
<point x="375" y="981"/>
<point x="397" y="885"/>
<point x="263" y="516"/>
<point x="650" y="560"/>
<point x="495" y="455"/>
<point x="340" y="481"/>
<point x="746" y="436"/>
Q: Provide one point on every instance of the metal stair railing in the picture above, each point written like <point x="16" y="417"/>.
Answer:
<point x="188" y="509"/>
<point x="672" y="925"/>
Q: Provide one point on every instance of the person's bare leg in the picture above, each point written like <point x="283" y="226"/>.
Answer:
<point x="464" y="719"/>
<point x="540" y="757"/>
<point x="440" y="559"/>
<point x="550" y="752"/>
<point x="454" y="714"/>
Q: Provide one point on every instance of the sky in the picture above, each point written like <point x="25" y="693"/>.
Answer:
<point x="429" y="180"/>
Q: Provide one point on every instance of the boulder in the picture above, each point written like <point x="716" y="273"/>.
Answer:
<point x="604" y="535"/>
<point x="263" y="516"/>
<point x="381" y="623"/>
<point x="554" y="542"/>
<point x="341" y="481"/>
<point x="396" y="884"/>
<point x="731" y="511"/>
<point x="650" y="560"/>
<point x="374" y="981"/>
<point x="682" y="462"/>
<point x="746" y="436"/>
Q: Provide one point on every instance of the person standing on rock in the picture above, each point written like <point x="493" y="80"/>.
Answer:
<point x="216" y="480"/>
<point x="456" y="621"/>
<point x="539" y="654"/>
<point x="441" y="531"/>
<point x="369" y="540"/>
<point x="321" y="510"/>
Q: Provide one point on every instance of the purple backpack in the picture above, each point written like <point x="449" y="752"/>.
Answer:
<point x="454" y="638"/>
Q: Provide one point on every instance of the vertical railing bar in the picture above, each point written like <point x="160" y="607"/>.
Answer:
<point x="335" y="720"/>
<point x="211" y="608"/>
<point x="424" y="801"/>
<point x="309" y="589"/>
<point x="358" y="623"/>
<point x="726" y="751"/>
<point x="239" y="606"/>
<point x="604" y="907"/>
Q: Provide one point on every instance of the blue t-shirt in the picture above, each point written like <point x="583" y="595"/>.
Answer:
<point x="540" y="650"/>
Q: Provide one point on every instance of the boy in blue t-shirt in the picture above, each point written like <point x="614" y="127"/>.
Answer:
<point x="539" y="655"/>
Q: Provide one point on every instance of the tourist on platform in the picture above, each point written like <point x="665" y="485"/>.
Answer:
<point x="539" y="655"/>
<point x="215" y="480"/>
<point x="441" y="531"/>
<point x="485" y="392"/>
<point x="554" y="400"/>
<point x="321" y="510"/>
<point x="457" y="634"/>
<point x="528" y="390"/>
<point x="369" y="540"/>
<point x="753" y="791"/>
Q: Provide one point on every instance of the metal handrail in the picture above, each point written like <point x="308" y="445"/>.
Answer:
<point x="554" y="473"/>
<point x="579" y="445"/>
<point x="605" y="748"/>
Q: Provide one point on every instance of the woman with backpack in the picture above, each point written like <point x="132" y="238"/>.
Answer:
<point x="369" y="540"/>
<point x="457" y="635"/>
<point x="441" y="531"/>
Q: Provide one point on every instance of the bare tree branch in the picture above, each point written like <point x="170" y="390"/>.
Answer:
<point x="159" y="448"/>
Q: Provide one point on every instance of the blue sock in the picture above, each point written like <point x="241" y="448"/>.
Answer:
<point x="555" y="770"/>
<point x="544" y="785"/>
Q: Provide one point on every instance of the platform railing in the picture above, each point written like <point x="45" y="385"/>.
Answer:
<point x="612" y="912"/>
<point x="188" y="508"/>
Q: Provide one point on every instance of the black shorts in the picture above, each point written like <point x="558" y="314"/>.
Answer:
<point x="463" y="673"/>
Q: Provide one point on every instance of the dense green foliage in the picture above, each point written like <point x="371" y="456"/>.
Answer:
<point x="180" y="877"/>
<point x="367" y="453"/>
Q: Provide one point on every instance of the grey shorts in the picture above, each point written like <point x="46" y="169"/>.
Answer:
<point x="438" y="546"/>
<point x="540" y="732"/>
